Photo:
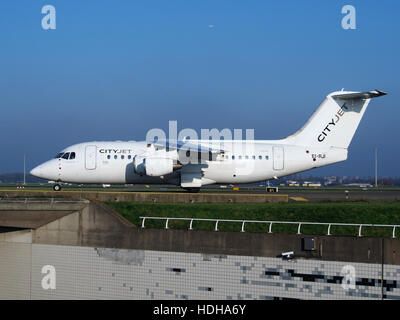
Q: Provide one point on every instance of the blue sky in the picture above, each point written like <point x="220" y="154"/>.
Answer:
<point x="112" y="70"/>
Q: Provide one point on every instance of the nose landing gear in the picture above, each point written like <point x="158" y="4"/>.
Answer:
<point x="57" y="187"/>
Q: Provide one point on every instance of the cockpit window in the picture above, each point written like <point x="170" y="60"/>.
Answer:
<point x="65" y="156"/>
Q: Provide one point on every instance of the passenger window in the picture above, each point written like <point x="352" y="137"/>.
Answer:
<point x="266" y="157"/>
<point x="254" y="157"/>
<point x="122" y="157"/>
<point x="233" y="157"/>
<point x="115" y="157"/>
<point x="259" y="157"/>
<point x="72" y="156"/>
<point x="66" y="155"/>
<point x="129" y="156"/>
<point x="240" y="157"/>
<point x="247" y="157"/>
<point x="108" y="157"/>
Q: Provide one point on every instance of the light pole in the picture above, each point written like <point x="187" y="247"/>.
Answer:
<point x="376" y="167"/>
<point x="24" y="169"/>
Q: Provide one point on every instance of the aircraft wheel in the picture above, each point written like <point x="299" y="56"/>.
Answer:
<point x="192" y="190"/>
<point x="56" y="187"/>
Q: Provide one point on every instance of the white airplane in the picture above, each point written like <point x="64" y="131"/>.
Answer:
<point x="323" y="140"/>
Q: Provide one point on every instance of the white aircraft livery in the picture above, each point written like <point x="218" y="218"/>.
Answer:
<point x="323" y="140"/>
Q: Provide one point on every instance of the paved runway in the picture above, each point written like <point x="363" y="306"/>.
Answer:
<point x="301" y="194"/>
<point x="352" y="195"/>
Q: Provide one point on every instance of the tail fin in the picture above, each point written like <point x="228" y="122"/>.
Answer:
<point x="336" y="120"/>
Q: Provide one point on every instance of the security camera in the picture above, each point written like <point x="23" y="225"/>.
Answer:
<point x="288" y="255"/>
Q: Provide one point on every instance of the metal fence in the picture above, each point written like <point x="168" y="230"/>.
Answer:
<point x="298" y="223"/>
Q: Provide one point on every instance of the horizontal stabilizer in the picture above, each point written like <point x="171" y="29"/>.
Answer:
<point x="359" y="95"/>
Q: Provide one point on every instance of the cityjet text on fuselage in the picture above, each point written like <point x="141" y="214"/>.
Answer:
<point x="116" y="151"/>
<point x="333" y="122"/>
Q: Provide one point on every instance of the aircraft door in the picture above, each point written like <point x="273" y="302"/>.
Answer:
<point x="278" y="158"/>
<point x="90" y="157"/>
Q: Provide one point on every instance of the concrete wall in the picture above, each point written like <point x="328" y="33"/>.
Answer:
<point x="98" y="254"/>
<point x="167" y="197"/>
<point x="332" y="248"/>
<point x="15" y="269"/>
<point x="33" y="213"/>
<point x="102" y="273"/>
<point x="42" y="204"/>
<point x="93" y="225"/>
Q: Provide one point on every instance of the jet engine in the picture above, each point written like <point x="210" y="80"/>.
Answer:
<point x="152" y="166"/>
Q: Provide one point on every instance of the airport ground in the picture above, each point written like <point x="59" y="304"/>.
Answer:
<point x="334" y="193"/>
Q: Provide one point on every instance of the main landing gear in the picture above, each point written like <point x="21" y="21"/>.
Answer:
<point x="192" y="190"/>
<point x="57" y="187"/>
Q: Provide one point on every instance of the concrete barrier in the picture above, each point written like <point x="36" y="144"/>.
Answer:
<point x="163" y="197"/>
<point x="100" y="255"/>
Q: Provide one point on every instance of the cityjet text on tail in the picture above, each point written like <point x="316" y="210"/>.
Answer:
<point x="191" y="164"/>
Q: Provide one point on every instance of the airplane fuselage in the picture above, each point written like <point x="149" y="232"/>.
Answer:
<point x="245" y="162"/>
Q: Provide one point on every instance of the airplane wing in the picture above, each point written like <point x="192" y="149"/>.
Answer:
<point x="359" y="95"/>
<point x="185" y="146"/>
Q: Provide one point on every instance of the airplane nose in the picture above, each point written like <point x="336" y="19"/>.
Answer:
<point x="37" y="171"/>
<point x="46" y="171"/>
